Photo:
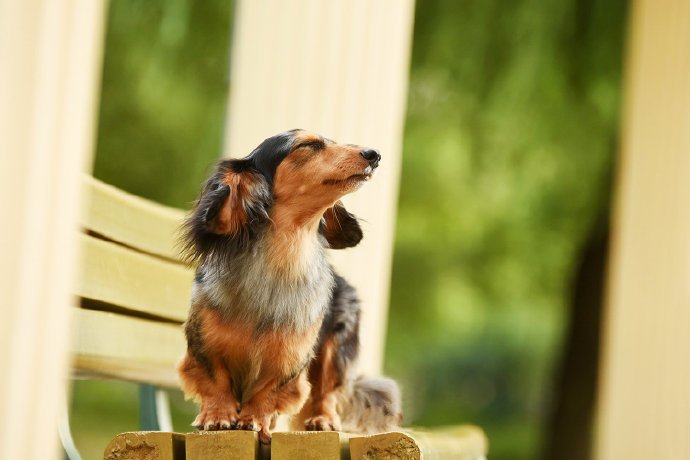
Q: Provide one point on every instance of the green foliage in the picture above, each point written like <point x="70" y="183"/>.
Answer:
<point x="163" y="96"/>
<point x="511" y="127"/>
<point x="102" y="409"/>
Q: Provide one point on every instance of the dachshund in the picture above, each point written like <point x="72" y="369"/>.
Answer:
<point x="272" y="328"/>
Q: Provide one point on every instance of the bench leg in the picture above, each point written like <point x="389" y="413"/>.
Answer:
<point x="154" y="409"/>
<point x="71" y="451"/>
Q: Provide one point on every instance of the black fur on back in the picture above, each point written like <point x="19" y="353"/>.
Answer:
<point x="342" y="323"/>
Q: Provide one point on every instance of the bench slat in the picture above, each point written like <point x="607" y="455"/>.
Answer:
<point x="240" y="445"/>
<point x="125" y="278"/>
<point x="112" y="345"/>
<point x="145" y="445"/>
<point x="129" y="219"/>
<point x="307" y="444"/>
<point x="464" y="442"/>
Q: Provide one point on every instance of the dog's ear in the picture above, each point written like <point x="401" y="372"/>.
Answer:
<point x="340" y="228"/>
<point x="213" y="208"/>
<point x="233" y="203"/>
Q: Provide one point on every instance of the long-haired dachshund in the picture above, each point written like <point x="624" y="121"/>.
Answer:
<point x="271" y="326"/>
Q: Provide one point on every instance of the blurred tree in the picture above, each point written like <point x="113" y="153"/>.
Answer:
<point x="568" y="427"/>
<point x="513" y="112"/>
<point x="163" y="96"/>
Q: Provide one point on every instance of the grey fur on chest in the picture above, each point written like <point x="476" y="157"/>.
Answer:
<point x="248" y="289"/>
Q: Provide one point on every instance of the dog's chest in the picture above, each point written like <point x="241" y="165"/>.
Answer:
<point x="258" y="287"/>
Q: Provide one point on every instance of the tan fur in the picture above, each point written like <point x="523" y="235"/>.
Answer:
<point x="265" y="357"/>
<point x="307" y="183"/>
<point x="325" y="390"/>
<point x="252" y="363"/>
<point x="289" y="253"/>
<point x="233" y="216"/>
<point x="297" y="208"/>
<point x="218" y="405"/>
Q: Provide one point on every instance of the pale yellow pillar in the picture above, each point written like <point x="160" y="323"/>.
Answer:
<point x="644" y="407"/>
<point x="338" y="67"/>
<point x="49" y="61"/>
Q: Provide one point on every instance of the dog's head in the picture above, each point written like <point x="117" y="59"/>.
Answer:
<point x="292" y="179"/>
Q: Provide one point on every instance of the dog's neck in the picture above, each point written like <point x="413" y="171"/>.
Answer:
<point x="292" y="239"/>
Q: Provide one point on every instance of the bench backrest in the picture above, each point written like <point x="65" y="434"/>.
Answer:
<point x="133" y="289"/>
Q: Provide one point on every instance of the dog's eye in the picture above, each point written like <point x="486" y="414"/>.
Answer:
<point x="314" y="145"/>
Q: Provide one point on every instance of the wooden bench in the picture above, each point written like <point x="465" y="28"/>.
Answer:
<point x="134" y="295"/>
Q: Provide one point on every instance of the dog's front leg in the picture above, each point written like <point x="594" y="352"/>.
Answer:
<point x="212" y="385"/>
<point x="272" y="399"/>
<point x="326" y="380"/>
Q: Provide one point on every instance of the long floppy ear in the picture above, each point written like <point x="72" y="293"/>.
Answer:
<point x="233" y="205"/>
<point x="340" y="228"/>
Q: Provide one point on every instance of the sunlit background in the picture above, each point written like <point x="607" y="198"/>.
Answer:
<point x="511" y="128"/>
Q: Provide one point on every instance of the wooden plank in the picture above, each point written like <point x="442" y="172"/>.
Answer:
<point x="146" y="445"/>
<point x="362" y="49"/>
<point x="299" y="445"/>
<point x="120" y="276"/>
<point x="462" y="443"/>
<point x="236" y="445"/>
<point x="129" y="219"/>
<point x="644" y="401"/>
<point x="112" y="345"/>
<point x="50" y="56"/>
<point x="384" y="446"/>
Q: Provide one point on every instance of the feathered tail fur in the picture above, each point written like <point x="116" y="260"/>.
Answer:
<point x="370" y="405"/>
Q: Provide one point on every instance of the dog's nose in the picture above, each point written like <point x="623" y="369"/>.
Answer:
<point x="372" y="156"/>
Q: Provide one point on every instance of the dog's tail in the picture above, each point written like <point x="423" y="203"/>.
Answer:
<point x="370" y="405"/>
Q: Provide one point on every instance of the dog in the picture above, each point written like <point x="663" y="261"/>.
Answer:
<point x="272" y="328"/>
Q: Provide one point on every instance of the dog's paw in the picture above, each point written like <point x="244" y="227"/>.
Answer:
<point x="322" y="423"/>
<point x="254" y="423"/>
<point x="212" y="420"/>
<point x="249" y="423"/>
